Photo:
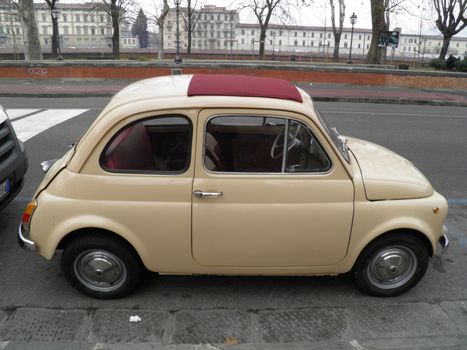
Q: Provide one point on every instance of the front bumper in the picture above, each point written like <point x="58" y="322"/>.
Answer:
<point x="443" y="241"/>
<point x="25" y="243"/>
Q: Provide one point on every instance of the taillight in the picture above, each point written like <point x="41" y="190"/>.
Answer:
<point x="27" y="215"/>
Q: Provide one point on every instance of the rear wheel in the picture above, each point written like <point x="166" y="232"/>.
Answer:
<point x="101" y="267"/>
<point x="391" y="265"/>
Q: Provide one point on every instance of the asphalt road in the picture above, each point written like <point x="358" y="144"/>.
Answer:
<point x="283" y="309"/>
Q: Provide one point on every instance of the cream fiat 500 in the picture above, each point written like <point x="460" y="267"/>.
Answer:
<point x="230" y="175"/>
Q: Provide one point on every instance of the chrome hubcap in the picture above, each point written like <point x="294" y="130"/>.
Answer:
<point x="392" y="267"/>
<point x="100" y="270"/>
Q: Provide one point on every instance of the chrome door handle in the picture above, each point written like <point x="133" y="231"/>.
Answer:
<point x="202" y="194"/>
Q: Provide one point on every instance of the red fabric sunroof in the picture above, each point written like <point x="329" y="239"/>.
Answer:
<point x="242" y="85"/>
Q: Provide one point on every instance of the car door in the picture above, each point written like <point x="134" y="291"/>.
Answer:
<point x="254" y="206"/>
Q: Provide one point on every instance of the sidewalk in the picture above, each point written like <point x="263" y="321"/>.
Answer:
<point x="319" y="91"/>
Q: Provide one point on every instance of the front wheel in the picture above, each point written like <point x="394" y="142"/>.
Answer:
<point x="101" y="267"/>
<point x="391" y="265"/>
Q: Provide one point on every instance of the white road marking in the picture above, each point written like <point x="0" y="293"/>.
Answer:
<point x="16" y="113"/>
<point x="395" y="114"/>
<point x="31" y="126"/>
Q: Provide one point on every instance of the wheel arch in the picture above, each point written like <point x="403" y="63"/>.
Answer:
<point x="92" y="231"/>
<point x="406" y="231"/>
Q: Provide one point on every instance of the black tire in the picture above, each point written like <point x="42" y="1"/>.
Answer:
<point x="101" y="266"/>
<point x="391" y="265"/>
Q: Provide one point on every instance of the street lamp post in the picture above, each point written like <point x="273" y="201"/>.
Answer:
<point x="56" y="33"/>
<point x="353" y="20"/>
<point x="178" y="59"/>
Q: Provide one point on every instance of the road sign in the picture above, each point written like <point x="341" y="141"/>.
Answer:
<point x="389" y="38"/>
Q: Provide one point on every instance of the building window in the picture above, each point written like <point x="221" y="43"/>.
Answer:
<point x="102" y="31"/>
<point x="65" y="30"/>
<point x="303" y="43"/>
<point x="329" y="35"/>
<point x="93" y="31"/>
<point x="243" y="31"/>
<point x="320" y="35"/>
<point x="295" y="43"/>
<point x="92" y="18"/>
<point x="345" y="36"/>
<point x="77" y="18"/>
<point x="64" y="18"/>
<point x="78" y="30"/>
<point x="102" y="18"/>
<point x="359" y="46"/>
<point x="295" y="34"/>
<point x="44" y="30"/>
<point x="312" y="44"/>
<point x="280" y="42"/>
<point x="252" y="32"/>
<point x="360" y="37"/>
<point x="345" y="45"/>
<point x="85" y="18"/>
<point x="44" y="17"/>
<point x="304" y="34"/>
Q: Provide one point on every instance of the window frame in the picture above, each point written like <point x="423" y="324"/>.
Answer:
<point x="149" y="172"/>
<point x="283" y="171"/>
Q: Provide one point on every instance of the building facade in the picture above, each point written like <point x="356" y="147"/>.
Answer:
<point x="214" y="28"/>
<point x="81" y="26"/>
<point x="319" y="41"/>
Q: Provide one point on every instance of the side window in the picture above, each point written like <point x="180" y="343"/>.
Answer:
<point x="161" y="144"/>
<point x="256" y="145"/>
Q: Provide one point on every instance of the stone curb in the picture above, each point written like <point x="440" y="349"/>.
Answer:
<point x="413" y="325"/>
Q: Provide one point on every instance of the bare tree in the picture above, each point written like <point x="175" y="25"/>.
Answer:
<point x="264" y="10"/>
<point x="337" y="31"/>
<point x="451" y="20"/>
<point x="190" y="20"/>
<point x="117" y="10"/>
<point x="378" y="23"/>
<point x="25" y="10"/>
<point x="55" y="38"/>
<point x="380" y="18"/>
<point x="159" y="19"/>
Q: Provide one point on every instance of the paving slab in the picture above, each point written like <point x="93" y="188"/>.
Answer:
<point x="400" y="320"/>
<point x="212" y="327"/>
<point x="457" y="312"/>
<point x="113" y="326"/>
<point x="44" y="325"/>
<point x="302" y="326"/>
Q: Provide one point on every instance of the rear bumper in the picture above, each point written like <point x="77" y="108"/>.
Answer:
<point x="25" y="243"/>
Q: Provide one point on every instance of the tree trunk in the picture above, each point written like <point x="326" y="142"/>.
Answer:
<point x="160" y="52"/>
<point x="262" y="40"/>
<point x="55" y="37"/>
<point x="116" y="33"/>
<point x="337" y="42"/>
<point x="32" y="45"/>
<point x="445" y="47"/>
<point x="188" y="49"/>
<point x="189" y="25"/>
<point x="376" y="53"/>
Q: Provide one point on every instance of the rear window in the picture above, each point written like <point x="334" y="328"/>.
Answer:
<point x="159" y="144"/>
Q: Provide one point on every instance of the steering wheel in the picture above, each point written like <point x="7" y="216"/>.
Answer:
<point x="294" y="141"/>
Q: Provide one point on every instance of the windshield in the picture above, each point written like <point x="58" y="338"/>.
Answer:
<point x="339" y="141"/>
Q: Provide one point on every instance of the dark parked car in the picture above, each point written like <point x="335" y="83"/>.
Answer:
<point x="13" y="161"/>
